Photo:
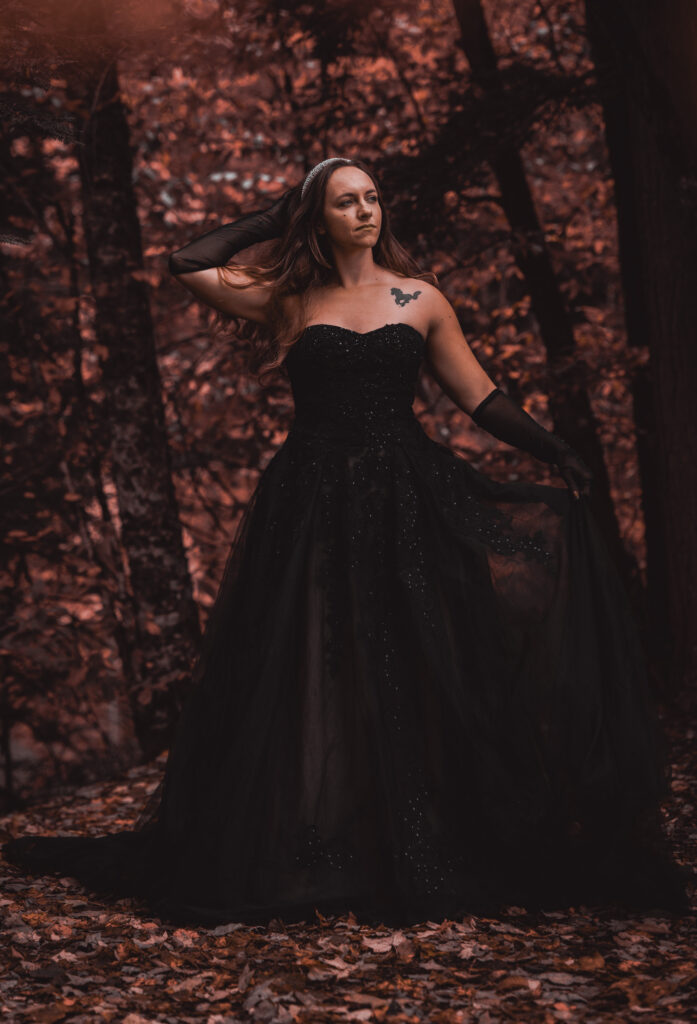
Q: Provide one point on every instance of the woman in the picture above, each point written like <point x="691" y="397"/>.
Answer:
<point x="421" y="692"/>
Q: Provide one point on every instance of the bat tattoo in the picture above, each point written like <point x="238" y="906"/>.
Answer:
<point x="401" y="298"/>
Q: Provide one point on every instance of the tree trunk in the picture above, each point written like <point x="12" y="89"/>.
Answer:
<point x="645" y="66"/>
<point x="166" y="616"/>
<point x="619" y="140"/>
<point x="569" y="404"/>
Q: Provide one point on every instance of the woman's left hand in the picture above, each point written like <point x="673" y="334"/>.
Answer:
<point x="576" y="474"/>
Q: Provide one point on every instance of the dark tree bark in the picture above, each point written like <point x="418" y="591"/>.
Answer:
<point x="35" y="451"/>
<point x="7" y="598"/>
<point x="569" y="404"/>
<point x="645" y="64"/>
<point x="166" y="615"/>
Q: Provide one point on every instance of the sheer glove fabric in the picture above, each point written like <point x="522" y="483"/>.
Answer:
<point x="502" y="418"/>
<point x="217" y="247"/>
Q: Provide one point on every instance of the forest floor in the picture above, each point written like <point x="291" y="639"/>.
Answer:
<point x="70" y="956"/>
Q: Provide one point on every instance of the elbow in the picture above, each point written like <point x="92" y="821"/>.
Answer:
<point x="176" y="265"/>
<point x="181" y="262"/>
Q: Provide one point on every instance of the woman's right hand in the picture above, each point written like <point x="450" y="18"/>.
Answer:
<point x="280" y="211"/>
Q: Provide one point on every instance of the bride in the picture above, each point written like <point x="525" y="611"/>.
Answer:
<point x="421" y="691"/>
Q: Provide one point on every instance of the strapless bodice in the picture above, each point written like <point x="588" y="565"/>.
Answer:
<point x="355" y="387"/>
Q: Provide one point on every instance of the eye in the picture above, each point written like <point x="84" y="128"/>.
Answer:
<point x="373" y="198"/>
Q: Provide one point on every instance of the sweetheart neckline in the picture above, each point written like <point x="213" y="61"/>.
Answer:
<point x="374" y="330"/>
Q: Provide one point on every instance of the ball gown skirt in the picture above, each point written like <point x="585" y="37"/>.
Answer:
<point x="421" y="692"/>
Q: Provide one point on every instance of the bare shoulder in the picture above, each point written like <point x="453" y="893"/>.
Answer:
<point x="435" y="308"/>
<point x="432" y="296"/>
<point x="409" y="284"/>
<point x="448" y="354"/>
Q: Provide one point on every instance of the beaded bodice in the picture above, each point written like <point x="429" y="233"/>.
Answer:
<point x="355" y="387"/>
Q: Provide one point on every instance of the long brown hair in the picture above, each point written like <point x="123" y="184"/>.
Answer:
<point x="300" y="260"/>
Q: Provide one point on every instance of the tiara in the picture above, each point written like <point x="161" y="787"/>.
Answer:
<point x="317" y="168"/>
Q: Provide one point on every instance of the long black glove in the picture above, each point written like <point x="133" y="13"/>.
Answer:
<point x="508" y="422"/>
<point x="217" y="247"/>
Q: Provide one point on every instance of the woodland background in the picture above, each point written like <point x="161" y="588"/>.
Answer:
<point x="539" y="157"/>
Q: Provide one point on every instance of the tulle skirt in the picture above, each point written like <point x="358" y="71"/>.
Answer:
<point x="421" y="693"/>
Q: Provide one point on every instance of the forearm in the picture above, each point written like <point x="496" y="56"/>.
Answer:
<point x="217" y="247"/>
<point x="505" y="420"/>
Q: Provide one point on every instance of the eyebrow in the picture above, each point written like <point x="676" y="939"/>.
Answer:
<point x="353" y="193"/>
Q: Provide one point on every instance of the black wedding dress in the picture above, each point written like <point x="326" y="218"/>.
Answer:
<point x="421" y="692"/>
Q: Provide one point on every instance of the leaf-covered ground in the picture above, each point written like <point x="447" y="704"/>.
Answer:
<point x="70" y="956"/>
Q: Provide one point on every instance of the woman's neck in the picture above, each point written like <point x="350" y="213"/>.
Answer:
<point x="355" y="269"/>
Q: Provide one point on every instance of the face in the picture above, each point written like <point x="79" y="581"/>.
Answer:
<point x="352" y="214"/>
